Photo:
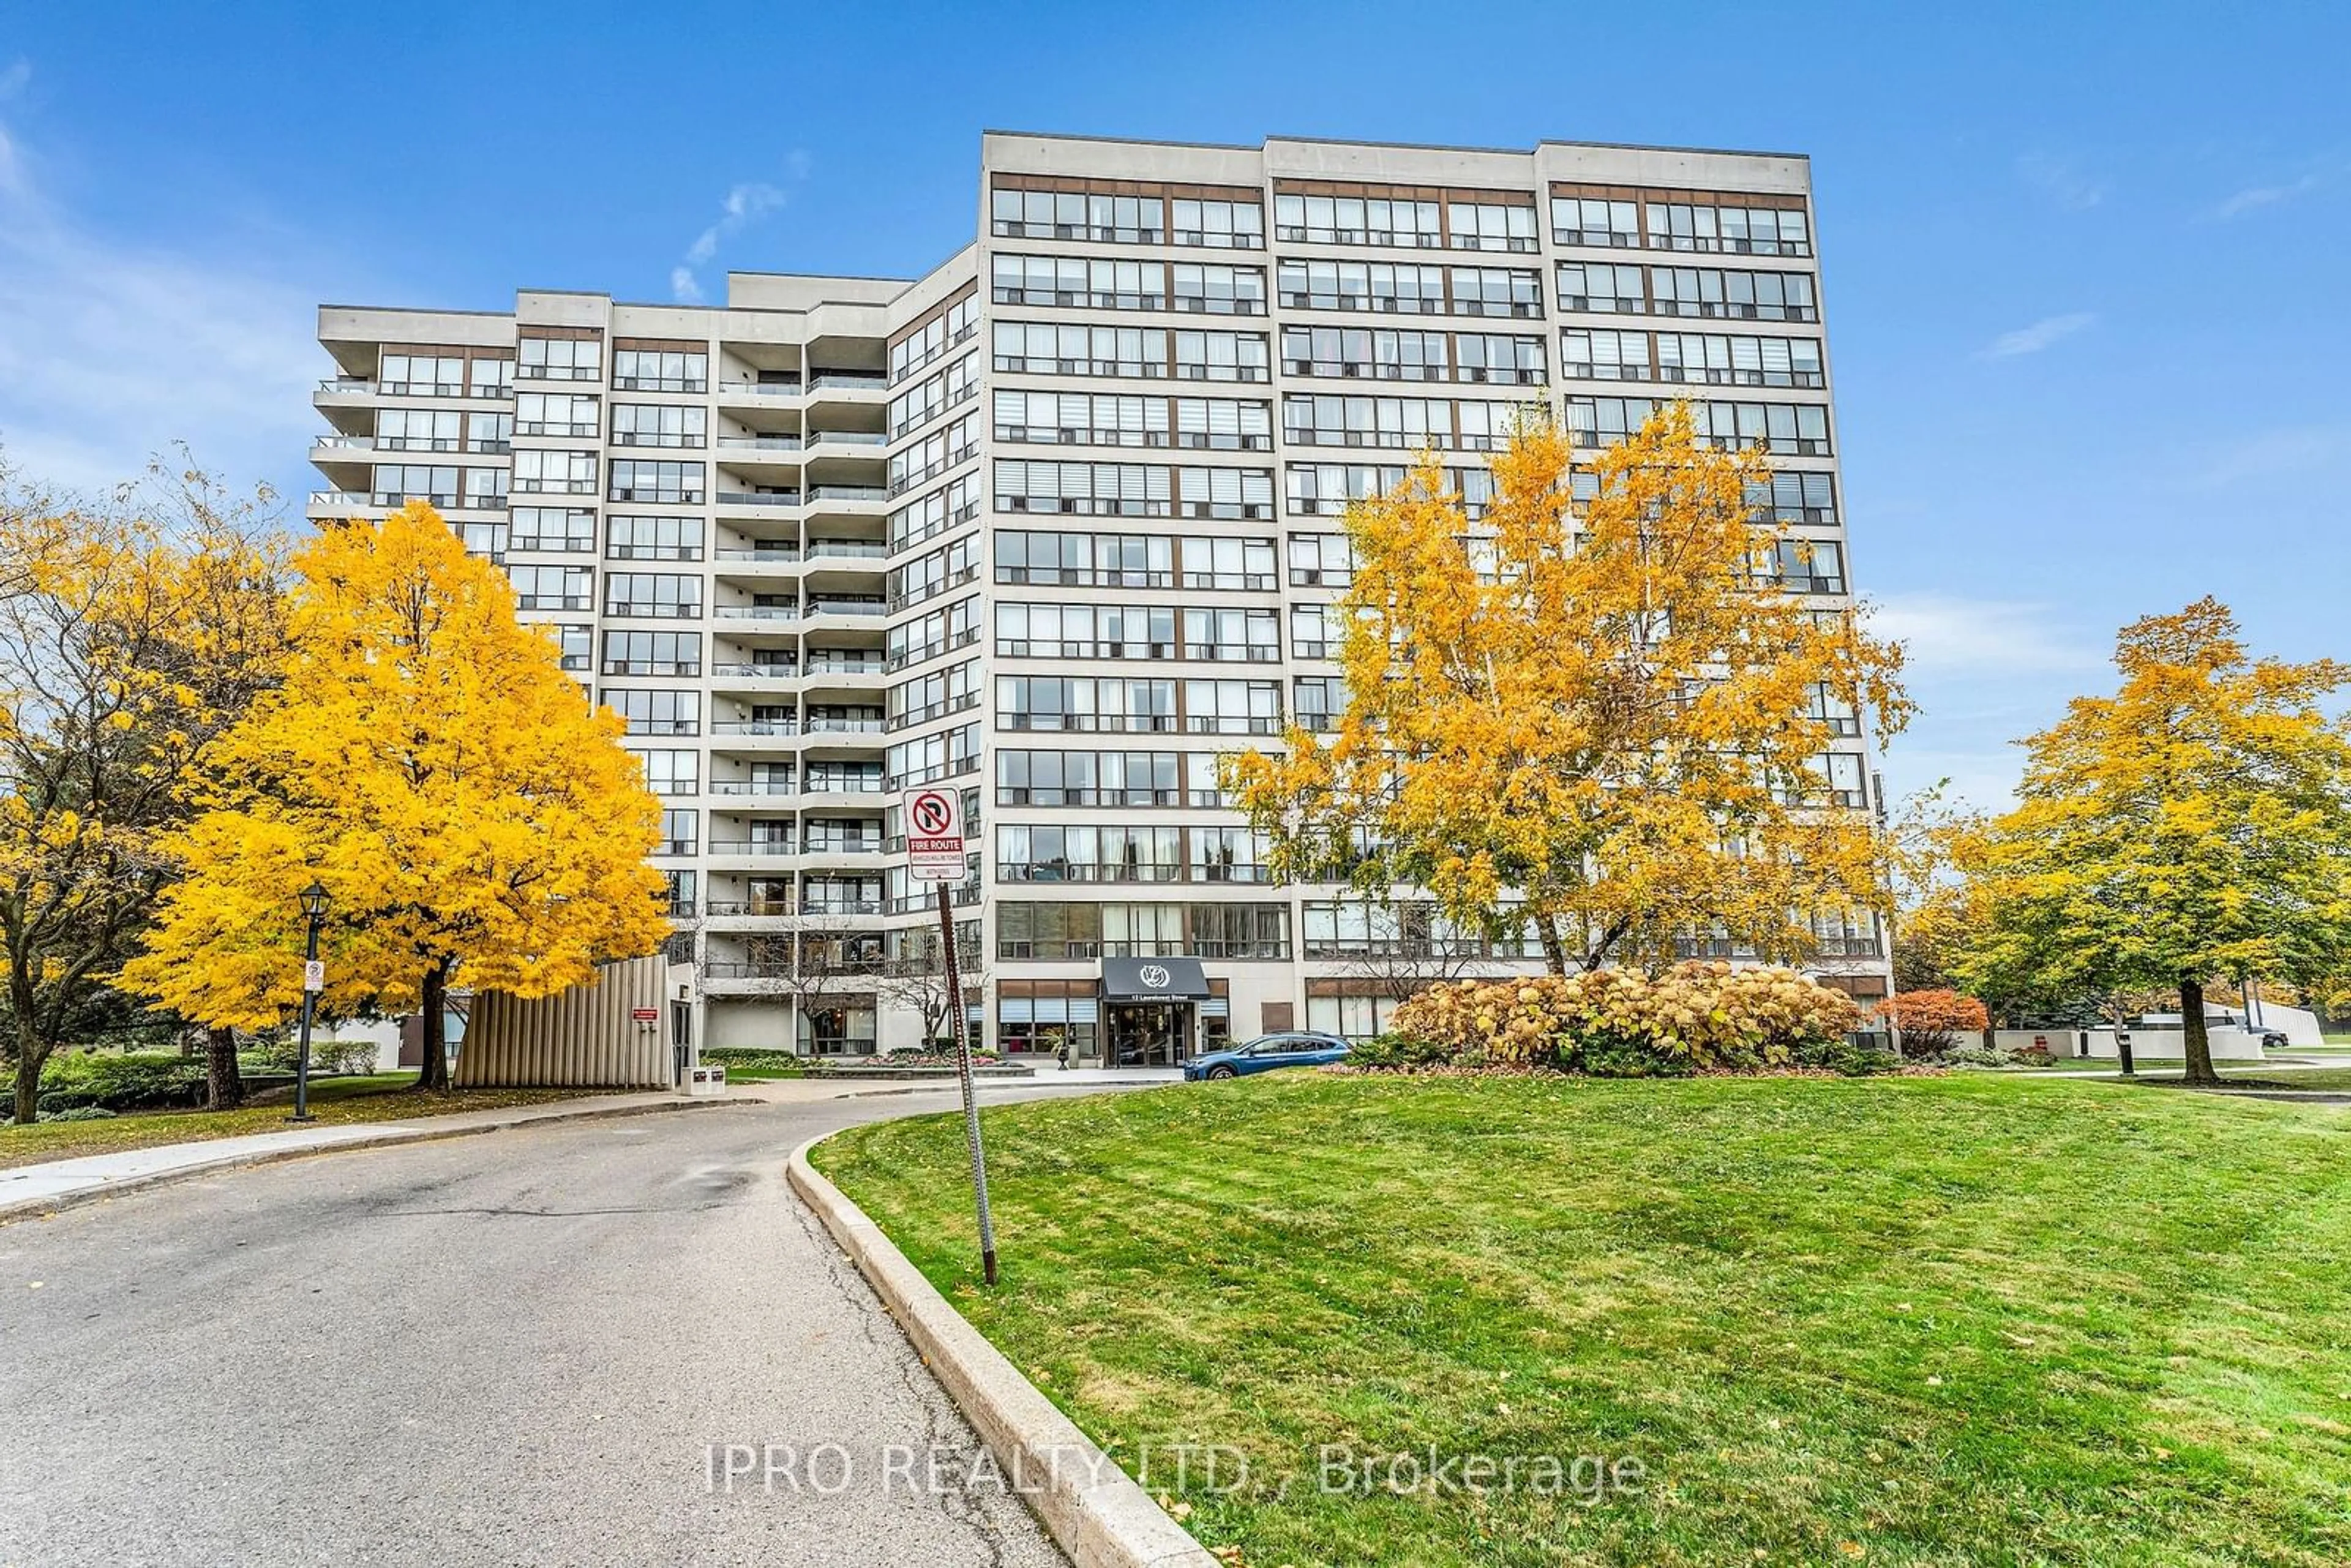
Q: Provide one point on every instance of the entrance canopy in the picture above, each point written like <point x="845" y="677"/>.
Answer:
<point x="1154" y="980"/>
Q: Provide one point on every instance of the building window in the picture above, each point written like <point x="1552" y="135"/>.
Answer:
<point x="1220" y="226"/>
<point x="1380" y="286"/>
<point x="1077" y="214"/>
<point x="421" y="376"/>
<point x="1740" y="296"/>
<point x="1358" y="220"/>
<point x="658" y="424"/>
<point x="556" y="414"/>
<point x="1745" y="231"/>
<point x="1317" y="701"/>
<point x="417" y="429"/>
<point x="1042" y="347"/>
<point x="1322" y="561"/>
<point x="653" y="652"/>
<point x="578" y="647"/>
<point x="396" y="485"/>
<point x="1224" y="493"/>
<point x="1085" y="560"/>
<point x="1232" y="707"/>
<point x="1802" y="566"/>
<point x="1105" y="489"/>
<point x="553" y="587"/>
<point x="560" y="359"/>
<point x="672" y="773"/>
<point x="555" y="473"/>
<point x="661" y="369"/>
<point x="674" y="483"/>
<point x="656" y="712"/>
<point x="1595" y="221"/>
<point x="1250" y="635"/>
<point x="570" y="529"/>
<point x="489" y="433"/>
<point x="486" y="489"/>
<point x="1495" y="291"/>
<point x="1220" y="290"/>
<point x="1085" y="703"/>
<point x="1602" y="288"/>
<point x="681" y="831"/>
<point x="665" y="596"/>
<point x="490" y="378"/>
<point x="1787" y="498"/>
<point x="1383" y="354"/>
<point x="1097" y="284"/>
<point x="1049" y="1017"/>
<point x="1721" y="359"/>
<point x="1491" y="225"/>
<point x="1229" y="565"/>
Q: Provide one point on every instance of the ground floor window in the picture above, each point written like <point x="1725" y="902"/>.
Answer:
<point x="1216" y="1020"/>
<point x="1047" y="1015"/>
<point x="833" y="1029"/>
<point x="1350" y="1018"/>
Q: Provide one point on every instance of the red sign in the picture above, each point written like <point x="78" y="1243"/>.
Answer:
<point x="645" y="1015"/>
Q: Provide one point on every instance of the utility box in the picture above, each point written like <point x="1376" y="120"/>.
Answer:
<point x="705" y="1080"/>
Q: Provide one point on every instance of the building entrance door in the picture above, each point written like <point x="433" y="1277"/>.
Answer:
<point x="1149" y="1034"/>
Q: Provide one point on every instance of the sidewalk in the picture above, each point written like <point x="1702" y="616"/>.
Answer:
<point x="43" y="1187"/>
<point x="58" y="1183"/>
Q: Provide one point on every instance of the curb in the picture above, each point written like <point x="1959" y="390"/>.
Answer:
<point x="1095" y="1510"/>
<point x="12" y="1210"/>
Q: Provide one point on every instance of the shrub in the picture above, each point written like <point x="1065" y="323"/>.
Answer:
<point x="1932" y="1021"/>
<point x="144" y="1081"/>
<point x="1395" y="1049"/>
<point x="1695" y="1016"/>
<point x="1845" y="1057"/>
<point x="80" y="1113"/>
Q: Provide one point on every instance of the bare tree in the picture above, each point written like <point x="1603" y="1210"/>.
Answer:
<point x="916" y="980"/>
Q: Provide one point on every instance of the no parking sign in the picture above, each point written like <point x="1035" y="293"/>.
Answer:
<point x="935" y="835"/>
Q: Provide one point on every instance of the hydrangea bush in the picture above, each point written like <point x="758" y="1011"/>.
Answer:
<point x="1695" y="1017"/>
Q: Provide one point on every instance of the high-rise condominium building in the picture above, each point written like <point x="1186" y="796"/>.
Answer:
<point x="1057" y="523"/>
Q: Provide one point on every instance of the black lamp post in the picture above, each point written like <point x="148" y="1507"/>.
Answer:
<point x="314" y="980"/>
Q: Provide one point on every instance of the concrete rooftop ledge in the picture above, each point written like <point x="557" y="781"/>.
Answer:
<point x="1095" y="1510"/>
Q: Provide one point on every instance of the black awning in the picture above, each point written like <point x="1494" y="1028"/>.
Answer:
<point x="1154" y="980"/>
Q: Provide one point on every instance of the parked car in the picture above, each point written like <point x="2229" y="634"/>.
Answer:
<point x="2275" y="1039"/>
<point x="1296" y="1048"/>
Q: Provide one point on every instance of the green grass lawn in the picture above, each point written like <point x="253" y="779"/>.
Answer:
<point x="384" y="1097"/>
<point x="1969" y="1320"/>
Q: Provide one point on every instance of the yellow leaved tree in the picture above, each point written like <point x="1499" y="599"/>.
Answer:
<point x="2194" y="826"/>
<point x="135" y="628"/>
<point x="1602" y="722"/>
<point x="475" y="822"/>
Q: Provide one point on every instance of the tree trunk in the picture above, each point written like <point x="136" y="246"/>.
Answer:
<point x="433" y="1006"/>
<point x="2199" y="1040"/>
<point x="1554" y="953"/>
<point x="223" y="1084"/>
<point x="31" y="1055"/>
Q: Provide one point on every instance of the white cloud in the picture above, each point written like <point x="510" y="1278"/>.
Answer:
<point x="744" y="205"/>
<point x="13" y="77"/>
<point x="2033" y="339"/>
<point x="109" y="354"/>
<point x="1951" y="637"/>
<point x="2255" y="198"/>
<point x="2062" y="181"/>
<point x="2282" y="452"/>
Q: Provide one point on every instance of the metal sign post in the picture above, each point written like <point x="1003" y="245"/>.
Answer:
<point x="934" y="853"/>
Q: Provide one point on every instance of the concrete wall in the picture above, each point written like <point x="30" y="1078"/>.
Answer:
<point x="584" y="1037"/>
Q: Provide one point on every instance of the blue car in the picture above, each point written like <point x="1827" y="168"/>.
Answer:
<point x="1295" y="1048"/>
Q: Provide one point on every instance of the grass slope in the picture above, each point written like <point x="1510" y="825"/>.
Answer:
<point x="384" y="1097"/>
<point x="1970" y="1320"/>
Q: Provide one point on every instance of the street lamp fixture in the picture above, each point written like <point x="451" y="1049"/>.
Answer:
<point x="314" y="899"/>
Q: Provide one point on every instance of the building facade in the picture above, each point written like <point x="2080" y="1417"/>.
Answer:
<point x="1058" y="524"/>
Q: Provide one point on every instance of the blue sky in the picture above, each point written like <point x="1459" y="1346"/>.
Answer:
<point x="2084" y="263"/>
